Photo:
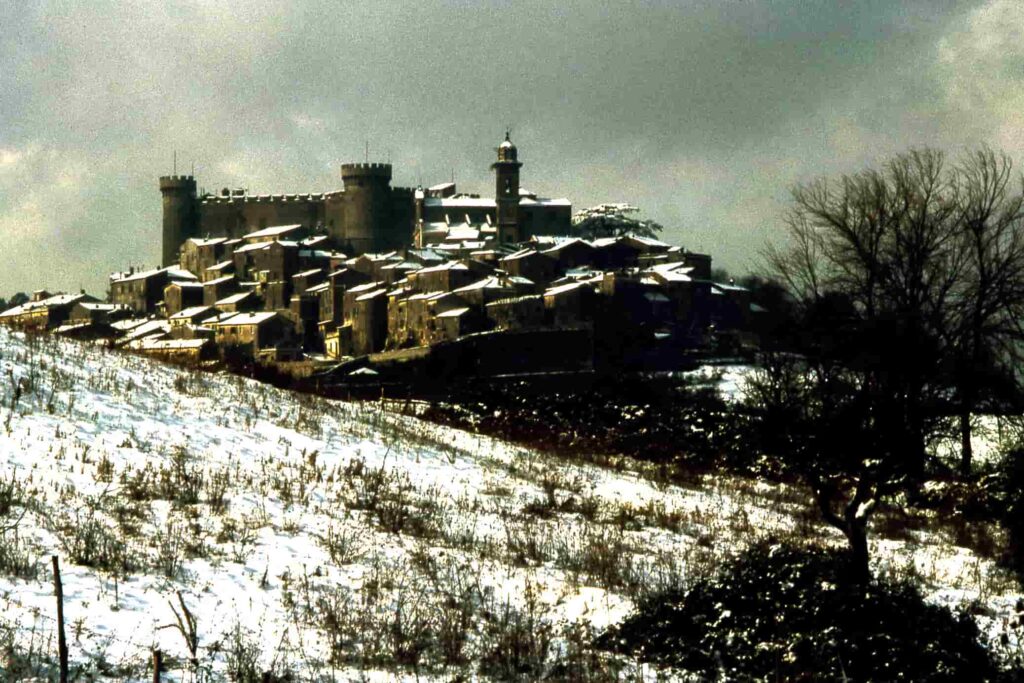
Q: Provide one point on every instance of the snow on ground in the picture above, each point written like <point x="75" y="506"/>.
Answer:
<point x="328" y="537"/>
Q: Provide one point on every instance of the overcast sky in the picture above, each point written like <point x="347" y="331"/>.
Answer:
<point x="701" y="113"/>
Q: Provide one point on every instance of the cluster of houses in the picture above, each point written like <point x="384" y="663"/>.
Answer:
<point x="285" y="293"/>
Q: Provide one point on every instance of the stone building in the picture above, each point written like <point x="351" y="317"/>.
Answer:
<point x="143" y="291"/>
<point x="198" y="255"/>
<point x="44" y="312"/>
<point x="215" y="290"/>
<point x="517" y="313"/>
<point x="367" y="215"/>
<point x="253" y="332"/>
<point x="180" y="295"/>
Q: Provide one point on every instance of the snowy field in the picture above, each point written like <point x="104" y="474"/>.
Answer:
<point x="345" y="541"/>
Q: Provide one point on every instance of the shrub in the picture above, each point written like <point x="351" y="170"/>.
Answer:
<point x="782" y="612"/>
<point x="17" y="558"/>
<point x="515" y="642"/>
<point x="1011" y="483"/>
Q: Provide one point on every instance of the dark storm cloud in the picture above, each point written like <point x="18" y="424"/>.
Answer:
<point x="703" y="113"/>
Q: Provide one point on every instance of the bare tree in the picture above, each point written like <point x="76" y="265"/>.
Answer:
<point x="885" y="243"/>
<point x="910" y="280"/>
<point x="984" y="326"/>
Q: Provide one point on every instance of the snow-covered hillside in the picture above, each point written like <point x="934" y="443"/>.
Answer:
<point x="340" y="541"/>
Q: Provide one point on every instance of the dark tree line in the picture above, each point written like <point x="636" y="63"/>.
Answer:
<point x="908" y="283"/>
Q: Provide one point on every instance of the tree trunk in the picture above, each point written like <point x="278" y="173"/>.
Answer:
<point x="853" y="523"/>
<point x="860" y="571"/>
<point x="966" y="450"/>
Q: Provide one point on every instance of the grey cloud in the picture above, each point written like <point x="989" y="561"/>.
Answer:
<point x="703" y="113"/>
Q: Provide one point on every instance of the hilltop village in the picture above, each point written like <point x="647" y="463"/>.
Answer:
<point x="374" y="277"/>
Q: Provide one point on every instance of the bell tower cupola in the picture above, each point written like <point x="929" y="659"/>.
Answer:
<point x="506" y="196"/>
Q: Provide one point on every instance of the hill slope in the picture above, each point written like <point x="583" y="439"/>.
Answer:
<point x="339" y="541"/>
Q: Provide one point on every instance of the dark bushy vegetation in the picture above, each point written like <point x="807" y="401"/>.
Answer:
<point x="782" y="612"/>
<point x="660" y="419"/>
<point x="1010" y="486"/>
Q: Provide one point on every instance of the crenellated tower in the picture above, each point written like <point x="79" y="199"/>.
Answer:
<point x="179" y="195"/>
<point x="368" y="222"/>
<point x="506" y="194"/>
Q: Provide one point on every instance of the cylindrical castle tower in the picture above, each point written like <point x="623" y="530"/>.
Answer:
<point x="179" y="193"/>
<point x="368" y="224"/>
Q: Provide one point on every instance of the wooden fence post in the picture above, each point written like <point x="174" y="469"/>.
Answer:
<point x="62" y="644"/>
<point x="157" y="661"/>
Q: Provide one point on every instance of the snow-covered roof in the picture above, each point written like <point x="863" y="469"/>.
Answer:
<point x="453" y="313"/>
<point x="153" y="344"/>
<point x="544" y="201"/>
<point x="463" y="231"/>
<point x="50" y="302"/>
<point x="213" y="319"/>
<point x="425" y="254"/>
<point x="308" y="273"/>
<point x="730" y="287"/>
<point x="99" y="306"/>
<point x="207" y="241"/>
<point x="238" y="319"/>
<point x="372" y="295"/>
<point x="374" y="258"/>
<point x="522" y="253"/>
<point x="319" y="253"/>
<point x="146" y="329"/>
<point x="273" y="231"/>
<point x="174" y="272"/>
<point x="402" y="265"/>
<point x="190" y="313"/>
<point x="449" y="265"/>
<point x="221" y="266"/>
<point x="221" y="280"/>
<point x="676" y="271"/>
<point x="254" y="246"/>
<point x="559" y="246"/>
<point x="425" y="295"/>
<point x="515" y="300"/>
<point x="316" y="289"/>
<point x="186" y="284"/>
<point x="128" y="324"/>
<point x="520" y="280"/>
<point x="562" y="289"/>
<point x="366" y="286"/>
<point x="459" y="202"/>
<point x="486" y="283"/>
<point x="234" y="298"/>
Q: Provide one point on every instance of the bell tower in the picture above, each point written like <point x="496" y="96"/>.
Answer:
<point x="506" y="195"/>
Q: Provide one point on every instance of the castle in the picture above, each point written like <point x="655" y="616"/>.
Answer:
<point x="414" y="281"/>
<point x="368" y="215"/>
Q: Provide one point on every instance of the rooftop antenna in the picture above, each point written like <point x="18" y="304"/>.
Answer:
<point x="453" y="174"/>
<point x="175" y="162"/>
<point x="367" y="151"/>
<point x="193" y="168"/>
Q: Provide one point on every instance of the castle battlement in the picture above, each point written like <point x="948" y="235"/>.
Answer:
<point x="173" y="182"/>
<point x="264" y="198"/>
<point x="367" y="170"/>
